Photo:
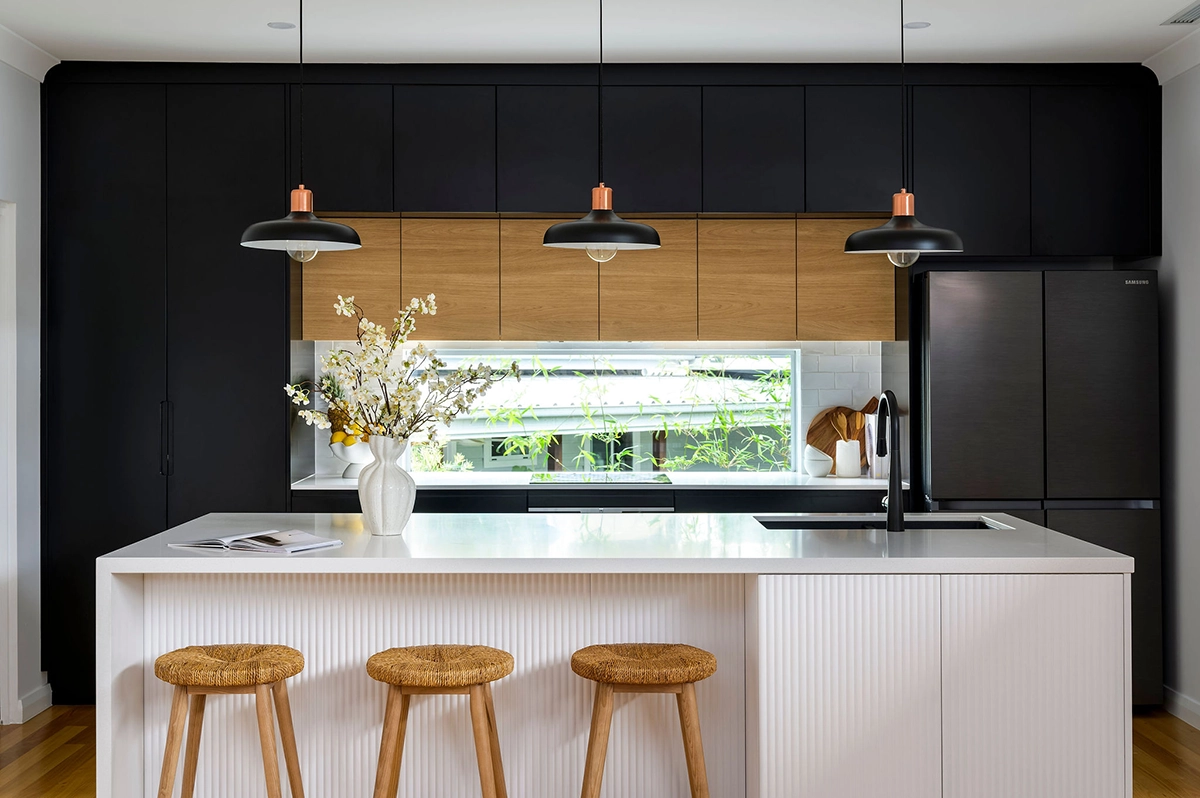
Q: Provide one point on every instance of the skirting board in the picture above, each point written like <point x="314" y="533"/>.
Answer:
<point x="1186" y="708"/>
<point x="33" y="703"/>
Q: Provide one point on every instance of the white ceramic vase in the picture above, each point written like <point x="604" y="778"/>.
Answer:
<point x="387" y="492"/>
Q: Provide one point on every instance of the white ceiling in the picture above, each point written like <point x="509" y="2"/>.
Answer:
<point x="368" y="31"/>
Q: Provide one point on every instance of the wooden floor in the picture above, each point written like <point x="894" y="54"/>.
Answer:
<point x="54" y="756"/>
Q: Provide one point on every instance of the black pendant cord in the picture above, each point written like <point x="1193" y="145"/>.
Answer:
<point x="600" y="114"/>
<point x="903" y="110"/>
<point x="301" y="180"/>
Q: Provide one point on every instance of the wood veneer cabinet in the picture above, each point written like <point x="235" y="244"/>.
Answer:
<point x="842" y="297"/>
<point x="546" y="294"/>
<point x="650" y="295"/>
<point x="371" y="275"/>
<point x="457" y="260"/>
<point x="747" y="279"/>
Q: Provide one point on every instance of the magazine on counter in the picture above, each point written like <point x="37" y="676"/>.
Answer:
<point x="269" y="541"/>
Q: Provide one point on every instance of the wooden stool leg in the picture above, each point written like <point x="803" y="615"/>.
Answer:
<point x="483" y="745"/>
<point x="266" y="737"/>
<point x="597" y="749"/>
<point x="693" y="749"/>
<point x="192" y="752"/>
<point x="287" y="735"/>
<point x="179" y="706"/>
<point x="494" y="734"/>
<point x="395" y="717"/>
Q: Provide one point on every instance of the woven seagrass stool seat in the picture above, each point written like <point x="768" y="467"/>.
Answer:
<point x="200" y="671"/>
<point x="644" y="668"/>
<point x="440" y="670"/>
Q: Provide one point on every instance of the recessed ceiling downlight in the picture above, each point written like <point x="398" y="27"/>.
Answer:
<point x="281" y="25"/>
<point x="917" y="25"/>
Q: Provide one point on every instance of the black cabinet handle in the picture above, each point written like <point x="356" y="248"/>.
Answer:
<point x="166" y="446"/>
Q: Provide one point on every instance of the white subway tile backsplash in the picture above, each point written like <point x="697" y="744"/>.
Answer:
<point x="810" y="363"/>
<point x="836" y="397"/>
<point x="837" y="363"/>
<point x="819" y="379"/>
<point x="818" y="347"/>
<point x="876" y="347"/>
<point x="861" y="398"/>
<point x="853" y="348"/>
<point x="855" y="381"/>
<point x="875" y="383"/>
<point x="866" y="363"/>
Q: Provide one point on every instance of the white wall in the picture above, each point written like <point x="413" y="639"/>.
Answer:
<point x="1179" y="273"/>
<point x="20" y="313"/>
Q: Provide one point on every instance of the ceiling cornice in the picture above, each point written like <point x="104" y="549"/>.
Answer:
<point x="25" y="56"/>
<point x="1176" y="59"/>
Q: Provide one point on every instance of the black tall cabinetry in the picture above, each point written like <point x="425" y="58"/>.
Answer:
<point x="166" y="342"/>
<point x="1039" y="393"/>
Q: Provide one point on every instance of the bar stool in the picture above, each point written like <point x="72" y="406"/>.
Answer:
<point x="644" y="668"/>
<point x="200" y="671"/>
<point x="440" y="670"/>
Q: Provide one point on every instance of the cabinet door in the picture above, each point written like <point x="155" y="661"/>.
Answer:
<point x="546" y="294"/>
<point x="347" y="146"/>
<point x="371" y="275"/>
<point x="458" y="261"/>
<point x="845" y="698"/>
<point x="652" y="150"/>
<point x="747" y="273"/>
<point x="546" y="147"/>
<point x="445" y="140"/>
<point x="983" y="404"/>
<point x="1091" y="171"/>
<point x="1033" y="686"/>
<point x="754" y="149"/>
<point x="841" y="297"/>
<point x="219" y="136"/>
<point x="1102" y="403"/>
<point x="971" y="164"/>
<point x="852" y="141"/>
<point x="650" y="295"/>
<point x="101" y="481"/>
<point x="1137" y="534"/>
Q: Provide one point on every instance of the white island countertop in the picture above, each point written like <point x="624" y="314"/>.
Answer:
<point x="560" y="543"/>
<point x="680" y="480"/>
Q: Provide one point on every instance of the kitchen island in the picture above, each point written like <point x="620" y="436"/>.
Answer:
<point x="989" y="661"/>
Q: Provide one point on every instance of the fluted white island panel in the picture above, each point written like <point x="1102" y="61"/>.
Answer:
<point x="828" y="642"/>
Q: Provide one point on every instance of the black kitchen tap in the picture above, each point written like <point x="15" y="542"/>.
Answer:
<point x="889" y="416"/>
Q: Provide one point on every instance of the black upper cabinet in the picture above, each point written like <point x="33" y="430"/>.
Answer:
<point x="220" y="136"/>
<point x="754" y="149"/>
<point x="852" y="143"/>
<point x="652" y="157"/>
<point x="546" y="147"/>
<point x="971" y="164"/>
<point x="347" y="145"/>
<point x="105" y="186"/>
<point x="1091" y="170"/>
<point x="445" y="145"/>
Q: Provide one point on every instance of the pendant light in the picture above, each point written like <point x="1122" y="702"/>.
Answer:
<point x="301" y="233"/>
<point x="903" y="238"/>
<point x="602" y="233"/>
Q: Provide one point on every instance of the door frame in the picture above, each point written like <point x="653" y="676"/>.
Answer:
<point x="10" y="704"/>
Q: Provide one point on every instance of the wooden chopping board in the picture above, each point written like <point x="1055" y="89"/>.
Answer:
<point x="823" y="436"/>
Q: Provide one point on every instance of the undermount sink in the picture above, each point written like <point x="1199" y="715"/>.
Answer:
<point x="817" y="522"/>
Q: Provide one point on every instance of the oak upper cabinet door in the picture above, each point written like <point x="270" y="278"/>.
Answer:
<point x="754" y="149"/>
<point x="852" y="141"/>
<point x="371" y="275"/>
<point x="445" y="145"/>
<point x="458" y="261"/>
<point x="347" y="145"/>
<point x="546" y="148"/>
<point x="1091" y="176"/>
<point x="652" y="157"/>
<point x="546" y="294"/>
<point x="747" y="285"/>
<point x="842" y="297"/>
<point x="971" y="164"/>
<point x="650" y="295"/>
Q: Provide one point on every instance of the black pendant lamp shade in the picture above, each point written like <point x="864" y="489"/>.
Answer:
<point x="602" y="233"/>
<point x="902" y="238"/>
<point x="301" y="234"/>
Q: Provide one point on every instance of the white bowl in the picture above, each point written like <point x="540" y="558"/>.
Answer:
<point x="816" y="462"/>
<point x="357" y="456"/>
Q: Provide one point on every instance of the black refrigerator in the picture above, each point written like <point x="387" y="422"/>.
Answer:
<point x="1039" y="396"/>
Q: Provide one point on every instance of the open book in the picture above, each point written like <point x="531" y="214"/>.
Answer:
<point x="270" y="541"/>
